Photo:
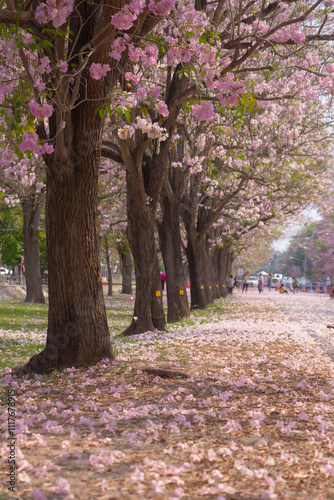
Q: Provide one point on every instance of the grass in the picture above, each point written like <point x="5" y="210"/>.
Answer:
<point x="22" y="316"/>
<point x="23" y="326"/>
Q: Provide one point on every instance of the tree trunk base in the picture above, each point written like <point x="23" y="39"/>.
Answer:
<point x="135" y="328"/>
<point x="42" y="363"/>
<point x="40" y="300"/>
<point x="37" y="364"/>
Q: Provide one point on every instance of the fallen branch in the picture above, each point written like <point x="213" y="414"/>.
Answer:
<point x="159" y="372"/>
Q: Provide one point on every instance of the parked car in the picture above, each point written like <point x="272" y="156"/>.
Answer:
<point x="287" y="281"/>
<point x="4" y="271"/>
<point x="253" y="281"/>
<point x="305" y="282"/>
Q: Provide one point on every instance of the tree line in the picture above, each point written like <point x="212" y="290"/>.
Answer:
<point x="218" y="115"/>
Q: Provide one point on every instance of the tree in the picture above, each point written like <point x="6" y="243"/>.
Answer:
<point x="200" y="69"/>
<point x="24" y="184"/>
<point x="60" y="66"/>
<point x="65" y="73"/>
<point x="311" y="251"/>
<point x="10" y="235"/>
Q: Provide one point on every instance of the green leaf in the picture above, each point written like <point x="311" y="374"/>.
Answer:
<point x="119" y="112"/>
<point x="101" y="113"/>
<point x="127" y="115"/>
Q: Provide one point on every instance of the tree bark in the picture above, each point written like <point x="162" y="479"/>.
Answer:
<point x="126" y="263"/>
<point x="148" y="310"/>
<point x="32" y="208"/>
<point x="106" y="244"/>
<point x="207" y="270"/>
<point x="214" y="273"/>
<point x="170" y="245"/>
<point x="194" y="252"/>
<point x="225" y="261"/>
<point x="77" y="324"/>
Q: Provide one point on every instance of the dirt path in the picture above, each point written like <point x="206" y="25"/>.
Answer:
<point x="254" y="419"/>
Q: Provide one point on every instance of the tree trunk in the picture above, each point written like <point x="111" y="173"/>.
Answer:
<point x="148" y="310"/>
<point x="225" y="261"/>
<point x="194" y="252"/>
<point x="106" y="244"/>
<point x="77" y="323"/>
<point x="215" y="273"/>
<point x="208" y="284"/>
<point x="32" y="209"/>
<point x="126" y="272"/>
<point x="170" y="245"/>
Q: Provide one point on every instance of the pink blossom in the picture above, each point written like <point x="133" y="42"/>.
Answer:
<point x="155" y="93"/>
<point x="205" y="111"/>
<point x="23" y="477"/>
<point x="62" y="486"/>
<point x="38" y="495"/>
<point x="141" y="93"/>
<point x="97" y="70"/>
<point x="149" y="56"/>
<point x="161" y="8"/>
<point x="298" y="37"/>
<point x="162" y="108"/>
<point x="118" y="47"/>
<point x="47" y="148"/>
<point x="232" y="426"/>
<point x="11" y="174"/>
<point x="43" y="111"/>
<point x="268" y="495"/>
<point x="123" y="20"/>
<point x="29" y="144"/>
<point x="46" y="12"/>
<point x="212" y="455"/>
<point x="329" y="469"/>
<point x="135" y="53"/>
<point x="62" y="65"/>
<point x="126" y="132"/>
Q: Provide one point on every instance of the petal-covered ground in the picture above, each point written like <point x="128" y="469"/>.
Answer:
<point x="254" y="419"/>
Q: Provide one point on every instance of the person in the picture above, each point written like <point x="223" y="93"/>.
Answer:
<point x="260" y="283"/>
<point x="282" y="289"/>
<point x="230" y="284"/>
<point x="269" y="281"/>
<point x="245" y="283"/>
<point x="331" y="293"/>
<point x="163" y="280"/>
<point x="235" y="282"/>
<point x="328" y="284"/>
<point x="295" y="285"/>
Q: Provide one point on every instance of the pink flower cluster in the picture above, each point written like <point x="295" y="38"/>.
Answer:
<point x="204" y="111"/>
<point x="55" y="11"/>
<point x="44" y="111"/>
<point x="30" y="143"/>
<point x="161" y="8"/>
<point x="125" y="18"/>
<point x="97" y="70"/>
<point x="118" y="47"/>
